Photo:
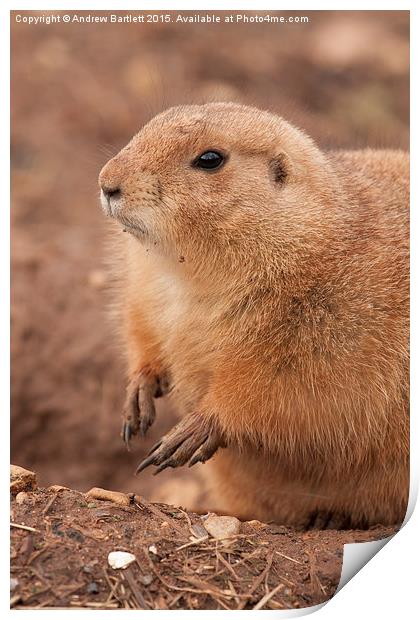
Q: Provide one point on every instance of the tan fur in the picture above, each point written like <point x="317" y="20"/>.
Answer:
<point x="279" y="307"/>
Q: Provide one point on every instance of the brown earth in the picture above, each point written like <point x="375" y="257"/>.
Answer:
<point x="63" y="563"/>
<point x="79" y="92"/>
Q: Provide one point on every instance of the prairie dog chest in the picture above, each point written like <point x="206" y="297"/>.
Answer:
<point x="165" y="294"/>
<point x="172" y="301"/>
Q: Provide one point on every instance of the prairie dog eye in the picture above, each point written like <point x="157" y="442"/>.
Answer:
<point x="210" y="160"/>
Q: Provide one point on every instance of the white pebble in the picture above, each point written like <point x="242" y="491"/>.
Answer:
<point x="13" y="583"/>
<point x="222" y="527"/>
<point x="120" y="559"/>
<point x="22" y="497"/>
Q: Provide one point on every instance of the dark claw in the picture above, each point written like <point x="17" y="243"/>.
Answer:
<point x="159" y="454"/>
<point x="145" y="424"/>
<point x="194" y="439"/>
<point x="139" y="409"/>
<point x="155" y="458"/>
<point x="155" y="447"/>
<point x="145" y="463"/>
<point x="196" y="459"/>
<point x="126" y="434"/>
<point x="206" y="450"/>
<point x="164" y="465"/>
<point x="146" y="408"/>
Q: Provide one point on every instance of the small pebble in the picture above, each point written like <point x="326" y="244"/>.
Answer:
<point x="58" y="487"/>
<point x="153" y="549"/>
<point x="146" y="580"/>
<point x="75" y="535"/>
<point x="92" y="588"/>
<point x="120" y="559"/>
<point x="277" y="529"/>
<point x="13" y="583"/>
<point x="21" y="479"/>
<point x="22" y="497"/>
<point x="222" y="527"/>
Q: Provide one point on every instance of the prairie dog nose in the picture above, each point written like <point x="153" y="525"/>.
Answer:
<point x="110" y="197"/>
<point x="111" y="192"/>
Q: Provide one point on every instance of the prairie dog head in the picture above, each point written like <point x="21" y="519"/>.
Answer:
<point x="217" y="174"/>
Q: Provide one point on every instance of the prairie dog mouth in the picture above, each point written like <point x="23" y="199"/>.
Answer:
<point x="114" y="209"/>
<point x="135" y="230"/>
<point x="105" y="204"/>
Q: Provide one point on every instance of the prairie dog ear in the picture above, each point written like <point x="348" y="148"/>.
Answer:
<point x="280" y="167"/>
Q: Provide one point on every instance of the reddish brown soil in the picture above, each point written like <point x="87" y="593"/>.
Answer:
<point x="78" y="94"/>
<point x="64" y="563"/>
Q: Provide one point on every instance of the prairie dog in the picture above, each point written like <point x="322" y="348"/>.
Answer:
<point x="265" y="284"/>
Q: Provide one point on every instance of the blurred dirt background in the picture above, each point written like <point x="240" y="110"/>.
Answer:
<point x="79" y="92"/>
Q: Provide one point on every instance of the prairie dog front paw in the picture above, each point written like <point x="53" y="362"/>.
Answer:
<point x="195" y="439"/>
<point x="139" y="408"/>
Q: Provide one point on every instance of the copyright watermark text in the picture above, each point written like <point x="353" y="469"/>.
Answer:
<point x="200" y="17"/>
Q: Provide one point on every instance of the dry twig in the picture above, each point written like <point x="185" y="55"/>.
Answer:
<point x="24" y="527"/>
<point x="267" y="597"/>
